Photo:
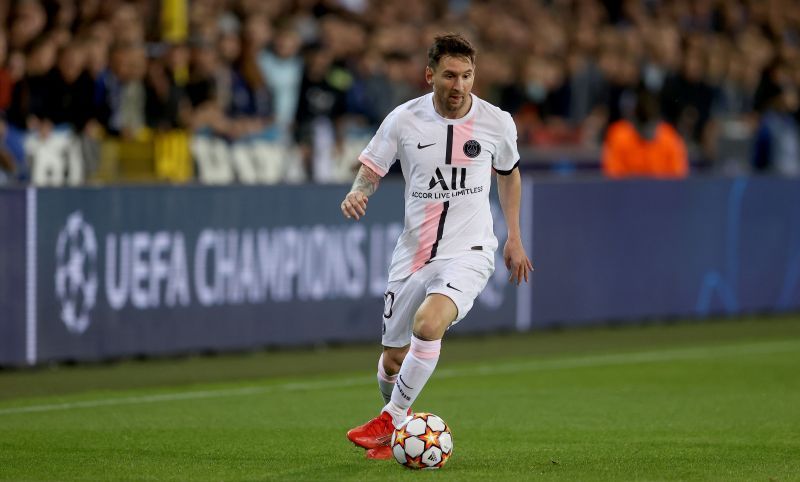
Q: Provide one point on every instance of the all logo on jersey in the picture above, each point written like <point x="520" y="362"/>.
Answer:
<point x="451" y="184"/>
<point x="472" y="148"/>
<point x="438" y="179"/>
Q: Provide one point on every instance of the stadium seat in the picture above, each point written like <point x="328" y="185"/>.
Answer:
<point x="211" y="156"/>
<point x="56" y="159"/>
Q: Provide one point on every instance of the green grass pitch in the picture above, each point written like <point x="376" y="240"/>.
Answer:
<point x="682" y="401"/>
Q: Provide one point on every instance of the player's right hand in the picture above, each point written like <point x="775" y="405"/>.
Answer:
<point x="354" y="205"/>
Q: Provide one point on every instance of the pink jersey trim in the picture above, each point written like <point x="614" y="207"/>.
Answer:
<point x="370" y="164"/>
<point x="427" y="235"/>
<point x="461" y="134"/>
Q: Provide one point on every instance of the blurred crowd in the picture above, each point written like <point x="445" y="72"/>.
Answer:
<point x="725" y="72"/>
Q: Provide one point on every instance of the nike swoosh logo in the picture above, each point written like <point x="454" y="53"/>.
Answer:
<point x="419" y="146"/>
<point x="453" y="287"/>
<point x="404" y="383"/>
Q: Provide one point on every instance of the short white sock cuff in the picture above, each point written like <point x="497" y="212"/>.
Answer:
<point x="397" y="413"/>
<point x="382" y="372"/>
<point x="425" y="349"/>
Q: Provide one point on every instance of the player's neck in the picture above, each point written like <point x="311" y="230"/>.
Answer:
<point x="456" y="114"/>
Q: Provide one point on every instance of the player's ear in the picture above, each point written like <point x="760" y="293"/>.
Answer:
<point x="429" y="75"/>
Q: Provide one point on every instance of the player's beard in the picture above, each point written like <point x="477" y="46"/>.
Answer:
<point x="453" y="107"/>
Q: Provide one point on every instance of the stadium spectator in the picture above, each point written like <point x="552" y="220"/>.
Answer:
<point x="167" y="75"/>
<point x="7" y="166"/>
<point x="320" y="111"/>
<point x="539" y="101"/>
<point x="282" y="67"/>
<point x="396" y="67"/>
<point x="120" y="92"/>
<point x="587" y="84"/>
<point x="620" y="70"/>
<point x="369" y="81"/>
<point x="241" y="90"/>
<point x="735" y="89"/>
<point x="29" y="108"/>
<point x="221" y="98"/>
<point x="777" y="143"/>
<point x="566" y="69"/>
<point x="255" y="98"/>
<point x="644" y="146"/>
<point x="6" y="79"/>
<point x="70" y="89"/>
<point x="127" y="23"/>
<point x="686" y="96"/>
<point x="663" y="49"/>
<point x="201" y="90"/>
<point x="97" y="43"/>
<point x="28" y="22"/>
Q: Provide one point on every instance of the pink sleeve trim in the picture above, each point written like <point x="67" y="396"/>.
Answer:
<point x="370" y="164"/>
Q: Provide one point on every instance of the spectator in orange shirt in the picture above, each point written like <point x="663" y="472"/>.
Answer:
<point x="644" y="146"/>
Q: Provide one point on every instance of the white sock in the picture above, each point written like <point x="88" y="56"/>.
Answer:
<point x="414" y="373"/>
<point x="385" y="381"/>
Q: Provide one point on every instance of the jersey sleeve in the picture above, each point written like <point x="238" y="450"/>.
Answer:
<point x="507" y="157"/>
<point x="380" y="153"/>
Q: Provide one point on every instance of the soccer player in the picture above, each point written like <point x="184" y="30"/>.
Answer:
<point x="447" y="142"/>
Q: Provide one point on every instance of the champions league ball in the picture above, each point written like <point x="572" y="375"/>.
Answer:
<point x="423" y="441"/>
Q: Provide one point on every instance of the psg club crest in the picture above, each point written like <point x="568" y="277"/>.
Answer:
<point x="472" y="148"/>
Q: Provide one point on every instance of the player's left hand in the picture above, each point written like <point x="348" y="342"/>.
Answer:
<point x="354" y="205"/>
<point x="517" y="261"/>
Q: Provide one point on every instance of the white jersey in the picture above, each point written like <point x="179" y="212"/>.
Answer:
<point x="447" y="165"/>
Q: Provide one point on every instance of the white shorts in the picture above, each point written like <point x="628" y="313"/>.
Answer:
<point x="461" y="279"/>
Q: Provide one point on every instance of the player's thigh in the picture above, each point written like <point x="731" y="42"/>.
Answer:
<point x="401" y="301"/>
<point x="462" y="279"/>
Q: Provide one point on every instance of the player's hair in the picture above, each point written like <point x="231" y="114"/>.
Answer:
<point x="452" y="44"/>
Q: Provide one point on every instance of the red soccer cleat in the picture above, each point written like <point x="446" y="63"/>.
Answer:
<point x="384" y="452"/>
<point x="375" y="433"/>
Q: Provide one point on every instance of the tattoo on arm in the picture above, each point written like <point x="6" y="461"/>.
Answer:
<point x="366" y="181"/>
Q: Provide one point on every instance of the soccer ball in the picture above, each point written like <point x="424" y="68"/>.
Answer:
<point x="423" y="441"/>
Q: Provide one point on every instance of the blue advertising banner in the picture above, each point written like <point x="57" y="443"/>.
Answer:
<point x="12" y="276"/>
<point x="99" y="273"/>
<point x="636" y="250"/>
<point x="157" y="270"/>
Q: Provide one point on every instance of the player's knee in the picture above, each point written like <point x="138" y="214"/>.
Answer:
<point x="427" y="327"/>
<point x="393" y="359"/>
<point x="391" y="366"/>
<point x="434" y="316"/>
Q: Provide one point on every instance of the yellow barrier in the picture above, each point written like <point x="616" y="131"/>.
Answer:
<point x="151" y="157"/>
<point x="173" y="159"/>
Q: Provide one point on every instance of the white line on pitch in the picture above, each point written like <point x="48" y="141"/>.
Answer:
<point x="683" y="354"/>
